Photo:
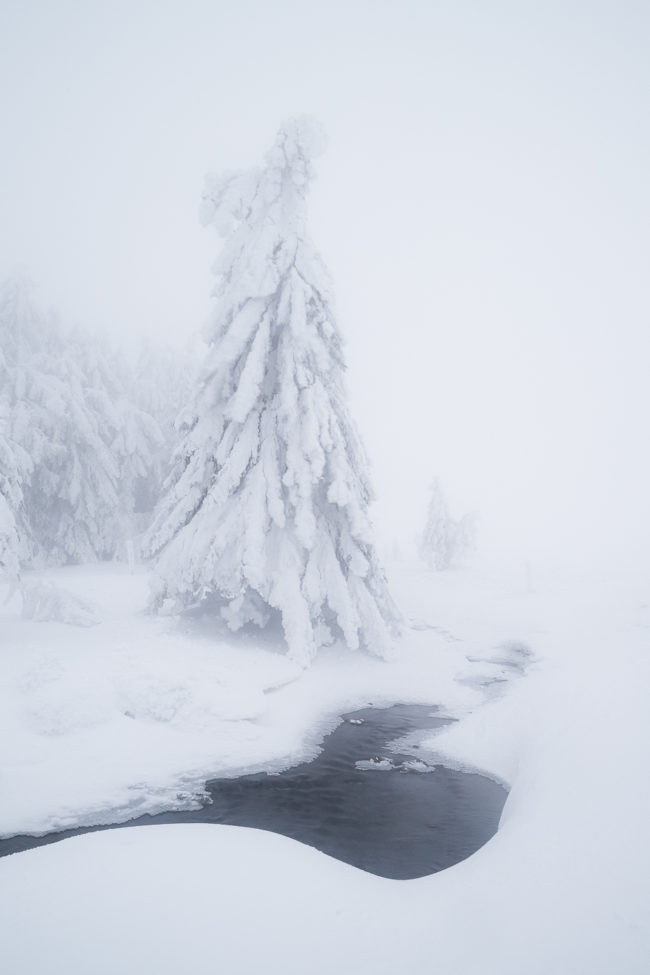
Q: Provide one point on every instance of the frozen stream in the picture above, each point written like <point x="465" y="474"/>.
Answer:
<point x="363" y="800"/>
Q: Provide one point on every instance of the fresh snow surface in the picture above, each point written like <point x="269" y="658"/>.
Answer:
<point x="100" y="723"/>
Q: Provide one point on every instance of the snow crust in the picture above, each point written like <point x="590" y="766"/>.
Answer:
<point x="550" y="692"/>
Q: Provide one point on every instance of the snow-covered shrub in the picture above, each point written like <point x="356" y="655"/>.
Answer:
<point x="266" y="508"/>
<point x="446" y="542"/>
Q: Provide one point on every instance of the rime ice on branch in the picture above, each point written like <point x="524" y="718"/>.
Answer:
<point x="266" y="509"/>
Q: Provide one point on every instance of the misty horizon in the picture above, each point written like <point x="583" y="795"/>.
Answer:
<point x="482" y="208"/>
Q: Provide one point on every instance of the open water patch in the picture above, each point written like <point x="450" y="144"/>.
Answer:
<point x="367" y="799"/>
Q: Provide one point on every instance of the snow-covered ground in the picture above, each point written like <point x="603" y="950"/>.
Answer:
<point x="108" y="721"/>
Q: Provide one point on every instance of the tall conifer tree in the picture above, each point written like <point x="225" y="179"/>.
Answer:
<point x="266" y="509"/>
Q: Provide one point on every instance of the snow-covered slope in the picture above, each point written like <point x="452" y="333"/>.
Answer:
<point x="550" y="688"/>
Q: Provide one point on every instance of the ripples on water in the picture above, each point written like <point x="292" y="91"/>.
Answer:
<point x="381" y="810"/>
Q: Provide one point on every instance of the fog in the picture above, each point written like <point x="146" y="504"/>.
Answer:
<point x="483" y="207"/>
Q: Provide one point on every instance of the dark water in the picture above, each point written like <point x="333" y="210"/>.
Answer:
<point x="402" y="823"/>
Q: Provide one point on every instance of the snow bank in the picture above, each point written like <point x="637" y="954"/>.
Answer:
<point x="549" y="689"/>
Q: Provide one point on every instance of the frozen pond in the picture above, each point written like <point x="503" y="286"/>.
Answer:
<point x="362" y="800"/>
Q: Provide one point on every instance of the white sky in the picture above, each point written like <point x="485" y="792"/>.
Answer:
<point x="483" y="207"/>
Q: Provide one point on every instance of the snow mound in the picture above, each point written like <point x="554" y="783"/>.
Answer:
<point x="186" y="703"/>
<point x="47" y="603"/>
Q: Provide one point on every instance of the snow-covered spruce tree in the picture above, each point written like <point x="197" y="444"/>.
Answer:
<point x="266" y="509"/>
<point x="15" y="467"/>
<point x="35" y="401"/>
<point x="13" y="536"/>
<point x="9" y="539"/>
<point x="132" y="435"/>
<point x="161" y="384"/>
<point x="445" y="542"/>
<point x="435" y="543"/>
<point x="71" y="498"/>
<point x="81" y="442"/>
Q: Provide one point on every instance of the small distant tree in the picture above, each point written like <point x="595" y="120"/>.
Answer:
<point x="266" y="510"/>
<point x="445" y="542"/>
